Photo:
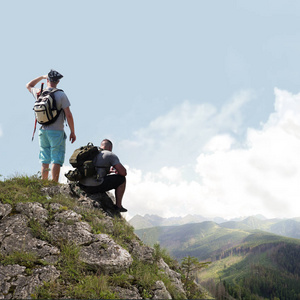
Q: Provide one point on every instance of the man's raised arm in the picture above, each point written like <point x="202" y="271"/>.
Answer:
<point x="33" y="82"/>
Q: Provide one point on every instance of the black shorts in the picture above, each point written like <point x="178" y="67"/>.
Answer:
<point x="110" y="182"/>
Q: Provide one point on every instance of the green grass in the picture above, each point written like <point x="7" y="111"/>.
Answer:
<point x="69" y="264"/>
<point x="27" y="259"/>
<point x="122" y="233"/>
<point x="22" y="189"/>
<point x="92" y="287"/>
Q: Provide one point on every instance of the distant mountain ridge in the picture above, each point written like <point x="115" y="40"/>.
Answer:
<point x="284" y="227"/>
<point x="148" y="221"/>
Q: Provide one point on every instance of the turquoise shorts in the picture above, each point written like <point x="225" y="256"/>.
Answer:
<point x="52" y="146"/>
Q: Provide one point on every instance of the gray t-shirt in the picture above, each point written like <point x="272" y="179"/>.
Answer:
<point x="103" y="161"/>
<point x="62" y="102"/>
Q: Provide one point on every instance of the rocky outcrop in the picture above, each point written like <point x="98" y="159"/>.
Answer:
<point x="17" y="284"/>
<point x="39" y="229"/>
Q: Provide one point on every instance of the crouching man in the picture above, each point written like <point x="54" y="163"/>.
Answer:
<point x="111" y="175"/>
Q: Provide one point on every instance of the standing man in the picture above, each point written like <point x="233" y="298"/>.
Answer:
<point x="110" y="175"/>
<point x="52" y="138"/>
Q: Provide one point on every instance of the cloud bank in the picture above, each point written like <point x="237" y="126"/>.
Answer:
<point x="228" y="178"/>
<point x="177" y="137"/>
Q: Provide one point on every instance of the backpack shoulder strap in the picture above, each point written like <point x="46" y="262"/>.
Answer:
<point x="55" y="90"/>
<point x="47" y="92"/>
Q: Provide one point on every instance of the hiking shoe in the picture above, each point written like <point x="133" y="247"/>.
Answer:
<point x="120" y="209"/>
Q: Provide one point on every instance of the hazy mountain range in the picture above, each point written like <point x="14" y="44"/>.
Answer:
<point x="284" y="227"/>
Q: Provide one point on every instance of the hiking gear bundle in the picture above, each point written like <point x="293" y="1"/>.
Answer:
<point x="45" y="108"/>
<point x="83" y="160"/>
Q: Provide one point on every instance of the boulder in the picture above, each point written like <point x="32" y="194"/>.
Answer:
<point x="104" y="254"/>
<point x="78" y="233"/>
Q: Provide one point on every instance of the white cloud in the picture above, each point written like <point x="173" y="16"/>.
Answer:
<point x="261" y="177"/>
<point x="148" y="194"/>
<point x="177" y="137"/>
<point x="1" y="131"/>
<point x="219" y="143"/>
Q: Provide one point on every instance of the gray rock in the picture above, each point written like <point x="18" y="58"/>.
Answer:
<point x="8" y="276"/>
<point x="106" y="255"/>
<point x="33" y="210"/>
<point x="174" y="276"/>
<point x="160" y="291"/>
<point x="78" y="232"/>
<point x="55" y="207"/>
<point x="107" y="223"/>
<point x="51" y="191"/>
<point x="132" y="293"/>
<point x="5" y="210"/>
<point x="142" y="252"/>
<point x="12" y="225"/>
<point x="16" y="284"/>
<point x="16" y="236"/>
<point x="67" y="215"/>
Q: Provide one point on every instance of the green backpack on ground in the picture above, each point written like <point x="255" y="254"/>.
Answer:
<point x="82" y="160"/>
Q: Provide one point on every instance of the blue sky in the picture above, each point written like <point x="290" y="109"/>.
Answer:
<point x="199" y="97"/>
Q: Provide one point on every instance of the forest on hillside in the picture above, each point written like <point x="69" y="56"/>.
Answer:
<point x="245" y="263"/>
<point x="273" y="275"/>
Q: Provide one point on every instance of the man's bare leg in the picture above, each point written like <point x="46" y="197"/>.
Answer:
<point x="119" y="192"/>
<point x="45" y="171"/>
<point x="55" y="172"/>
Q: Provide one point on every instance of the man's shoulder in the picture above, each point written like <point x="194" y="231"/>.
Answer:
<point x="108" y="153"/>
<point x="58" y="91"/>
<point x="61" y="96"/>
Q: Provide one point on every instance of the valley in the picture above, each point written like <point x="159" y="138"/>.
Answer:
<point x="247" y="260"/>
